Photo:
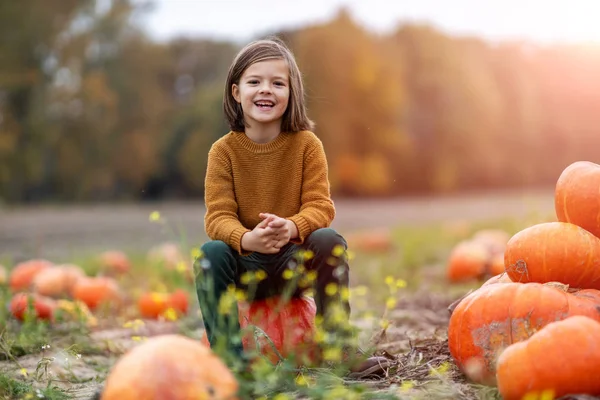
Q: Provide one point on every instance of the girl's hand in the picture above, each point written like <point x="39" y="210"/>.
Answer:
<point x="283" y="229"/>
<point x="262" y="239"/>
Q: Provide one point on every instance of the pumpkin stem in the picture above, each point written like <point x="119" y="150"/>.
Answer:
<point x="520" y="267"/>
<point x="456" y="302"/>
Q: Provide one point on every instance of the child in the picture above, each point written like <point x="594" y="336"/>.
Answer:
<point x="267" y="194"/>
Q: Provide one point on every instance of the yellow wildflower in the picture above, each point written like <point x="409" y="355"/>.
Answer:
<point x="154" y="216"/>
<point x="288" y="274"/>
<point x="170" y="314"/>
<point x="333" y="354"/>
<point x="390" y="303"/>
<point x="331" y="289"/>
<point x="196" y="253"/>
<point x="338" y="250"/>
<point x="261" y="275"/>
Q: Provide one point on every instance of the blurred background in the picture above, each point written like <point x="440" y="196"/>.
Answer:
<point x="119" y="100"/>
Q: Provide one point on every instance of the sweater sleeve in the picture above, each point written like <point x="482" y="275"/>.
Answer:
<point x="221" y="220"/>
<point x="317" y="209"/>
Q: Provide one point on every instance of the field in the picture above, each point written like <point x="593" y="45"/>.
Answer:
<point x="72" y="360"/>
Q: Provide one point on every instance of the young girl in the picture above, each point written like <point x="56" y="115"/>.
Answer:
<point x="267" y="194"/>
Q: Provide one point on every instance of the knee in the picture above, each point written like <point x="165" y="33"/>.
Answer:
<point x="326" y="239"/>
<point x="217" y="257"/>
<point x="215" y="249"/>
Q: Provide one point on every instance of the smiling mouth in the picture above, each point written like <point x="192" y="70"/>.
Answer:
<point x="264" y="105"/>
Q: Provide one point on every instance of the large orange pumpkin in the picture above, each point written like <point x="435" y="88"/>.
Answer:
<point x="577" y="196"/>
<point x="42" y="306"/>
<point x="564" y="358"/>
<point x="289" y="325"/>
<point x="21" y="277"/>
<point x="170" y="367"/>
<point x="554" y="252"/>
<point x="493" y="317"/>
<point x="94" y="291"/>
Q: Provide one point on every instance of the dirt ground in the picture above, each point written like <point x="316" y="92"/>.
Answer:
<point x="67" y="230"/>
<point x="414" y="341"/>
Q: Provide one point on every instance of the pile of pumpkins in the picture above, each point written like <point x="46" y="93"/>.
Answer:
<point x="61" y="291"/>
<point x="536" y="328"/>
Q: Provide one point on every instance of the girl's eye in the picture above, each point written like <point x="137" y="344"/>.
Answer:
<point x="253" y="81"/>
<point x="279" y="84"/>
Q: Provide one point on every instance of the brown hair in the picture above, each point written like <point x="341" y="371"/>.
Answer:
<point x="295" y="118"/>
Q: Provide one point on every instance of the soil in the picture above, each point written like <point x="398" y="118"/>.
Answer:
<point x="415" y="342"/>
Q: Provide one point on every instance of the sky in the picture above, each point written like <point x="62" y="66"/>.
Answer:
<point x="546" y="21"/>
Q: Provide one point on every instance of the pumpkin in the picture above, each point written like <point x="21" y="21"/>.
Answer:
<point x="577" y="196"/>
<point x="43" y="306"/>
<point x="167" y="253"/>
<point x="179" y="301"/>
<point x="57" y="281"/>
<point x="21" y="277"/>
<point x="155" y="304"/>
<point x="171" y="367"/>
<point x="566" y="356"/>
<point x="467" y="261"/>
<point x="497" y="315"/>
<point x="289" y="325"/>
<point x="114" y="261"/>
<point x="3" y="275"/>
<point x="93" y="291"/>
<point x="371" y="241"/>
<point x="500" y="278"/>
<point x="494" y="239"/>
<point x="554" y="252"/>
<point x="496" y="264"/>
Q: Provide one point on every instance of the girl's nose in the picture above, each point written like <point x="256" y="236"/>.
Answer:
<point x="265" y="89"/>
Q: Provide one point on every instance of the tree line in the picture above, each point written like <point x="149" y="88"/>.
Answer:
<point x="92" y="109"/>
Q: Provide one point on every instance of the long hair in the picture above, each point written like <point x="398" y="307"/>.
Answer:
<point x="295" y="117"/>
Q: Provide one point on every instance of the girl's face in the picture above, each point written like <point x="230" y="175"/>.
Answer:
<point x="263" y="92"/>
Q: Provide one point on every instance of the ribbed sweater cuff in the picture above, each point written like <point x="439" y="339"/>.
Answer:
<point x="236" y="240"/>
<point x="303" y="229"/>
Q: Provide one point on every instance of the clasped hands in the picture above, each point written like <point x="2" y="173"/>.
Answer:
<point x="270" y="235"/>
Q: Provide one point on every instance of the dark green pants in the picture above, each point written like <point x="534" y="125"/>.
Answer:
<point x="222" y="267"/>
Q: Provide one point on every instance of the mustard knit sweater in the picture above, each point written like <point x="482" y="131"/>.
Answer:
<point x="287" y="177"/>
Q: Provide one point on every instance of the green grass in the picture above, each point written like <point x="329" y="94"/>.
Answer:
<point x="418" y="258"/>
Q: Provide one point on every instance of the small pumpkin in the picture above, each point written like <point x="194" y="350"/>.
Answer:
<point x="170" y="367"/>
<point x="289" y="325"/>
<point x="495" y="316"/>
<point x="42" y="306"/>
<point x="467" y="261"/>
<point x="167" y="253"/>
<point x="114" y="262"/>
<point x="94" y="291"/>
<point x="155" y="304"/>
<point x="577" y="196"/>
<point x="494" y="239"/>
<point x="566" y="355"/>
<point x="57" y="281"/>
<point x="496" y="264"/>
<point x="21" y="276"/>
<point x="371" y="241"/>
<point x="554" y="252"/>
